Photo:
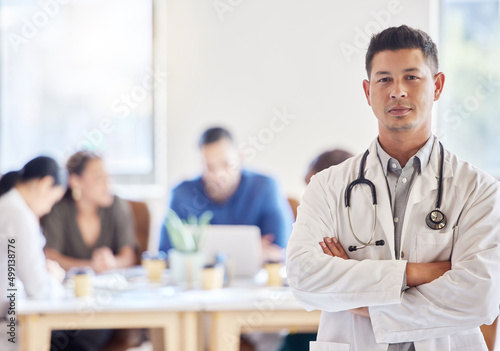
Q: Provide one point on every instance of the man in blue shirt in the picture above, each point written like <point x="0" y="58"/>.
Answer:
<point x="234" y="195"/>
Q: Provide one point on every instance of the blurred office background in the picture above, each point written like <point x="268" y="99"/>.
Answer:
<point x="139" y="80"/>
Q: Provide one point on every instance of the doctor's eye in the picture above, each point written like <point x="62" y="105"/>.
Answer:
<point x="383" y="80"/>
<point x="412" y="77"/>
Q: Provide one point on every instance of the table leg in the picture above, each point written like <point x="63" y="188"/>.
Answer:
<point x="171" y="333"/>
<point x="226" y="330"/>
<point x="34" y="335"/>
<point x="167" y="338"/>
<point x="191" y="331"/>
<point x="156" y="336"/>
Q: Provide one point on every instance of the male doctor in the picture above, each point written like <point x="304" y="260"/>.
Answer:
<point x="420" y="288"/>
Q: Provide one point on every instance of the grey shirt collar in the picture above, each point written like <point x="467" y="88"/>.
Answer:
<point x="420" y="159"/>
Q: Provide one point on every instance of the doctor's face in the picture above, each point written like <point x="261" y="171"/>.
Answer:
<point x="402" y="90"/>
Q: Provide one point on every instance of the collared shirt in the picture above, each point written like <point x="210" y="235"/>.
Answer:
<point x="399" y="183"/>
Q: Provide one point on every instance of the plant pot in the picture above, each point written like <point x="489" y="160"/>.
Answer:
<point x="186" y="268"/>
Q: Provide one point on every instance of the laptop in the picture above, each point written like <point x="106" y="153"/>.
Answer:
<point x="241" y="244"/>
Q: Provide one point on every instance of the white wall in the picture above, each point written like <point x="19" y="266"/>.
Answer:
<point x="235" y="64"/>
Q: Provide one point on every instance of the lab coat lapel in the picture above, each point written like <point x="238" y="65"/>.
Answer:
<point x="426" y="186"/>
<point x="375" y="173"/>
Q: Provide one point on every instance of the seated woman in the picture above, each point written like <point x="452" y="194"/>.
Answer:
<point x="26" y="195"/>
<point x="89" y="226"/>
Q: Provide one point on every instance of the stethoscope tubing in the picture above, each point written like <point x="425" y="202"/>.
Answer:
<point x="363" y="244"/>
<point x="362" y="180"/>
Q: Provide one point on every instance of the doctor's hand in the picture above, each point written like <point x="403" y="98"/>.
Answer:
<point x="423" y="273"/>
<point x="332" y="247"/>
<point x="361" y="311"/>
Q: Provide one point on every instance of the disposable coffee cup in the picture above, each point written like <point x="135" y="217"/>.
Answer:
<point x="82" y="279"/>
<point x="213" y="277"/>
<point x="273" y="272"/>
<point x="154" y="264"/>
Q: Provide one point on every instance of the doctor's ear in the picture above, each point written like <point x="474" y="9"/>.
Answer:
<point x="438" y="85"/>
<point x="366" y="88"/>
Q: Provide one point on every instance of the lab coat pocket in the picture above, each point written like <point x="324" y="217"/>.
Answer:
<point x="328" y="346"/>
<point x="434" y="246"/>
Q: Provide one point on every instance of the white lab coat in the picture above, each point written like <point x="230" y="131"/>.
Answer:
<point x="442" y="315"/>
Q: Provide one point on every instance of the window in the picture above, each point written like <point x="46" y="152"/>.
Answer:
<point x="77" y="74"/>
<point x="469" y="121"/>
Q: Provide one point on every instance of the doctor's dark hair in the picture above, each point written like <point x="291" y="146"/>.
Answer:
<point x="402" y="37"/>
<point x="37" y="168"/>
<point x="213" y="135"/>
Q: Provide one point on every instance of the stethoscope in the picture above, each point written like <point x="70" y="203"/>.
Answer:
<point x="435" y="219"/>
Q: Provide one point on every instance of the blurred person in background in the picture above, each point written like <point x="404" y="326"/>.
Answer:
<point x="90" y="226"/>
<point x="326" y="160"/>
<point x="234" y="195"/>
<point x="25" y="196"/>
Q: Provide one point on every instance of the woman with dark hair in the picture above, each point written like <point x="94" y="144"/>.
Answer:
<point x="89" y="226"/>
<point x="25" y="196"/>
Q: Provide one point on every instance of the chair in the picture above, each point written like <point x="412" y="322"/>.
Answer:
<point x="142" y="225"/>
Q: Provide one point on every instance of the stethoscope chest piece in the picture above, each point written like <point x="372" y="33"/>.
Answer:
<point x="436" y="219"/>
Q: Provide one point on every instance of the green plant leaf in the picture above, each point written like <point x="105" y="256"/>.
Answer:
<point x="185" y="236"/>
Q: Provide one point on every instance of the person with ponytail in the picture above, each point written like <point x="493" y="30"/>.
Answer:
<point x="90" y="226"/>
<point x="25" y="196"/>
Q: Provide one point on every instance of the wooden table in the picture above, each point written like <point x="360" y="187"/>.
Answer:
<point x="173" y="320"/>
<point x="236" y="311"/>
<point x="176" y="317"/>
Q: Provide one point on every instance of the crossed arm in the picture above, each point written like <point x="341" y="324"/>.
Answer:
<point x="416" y="273"/>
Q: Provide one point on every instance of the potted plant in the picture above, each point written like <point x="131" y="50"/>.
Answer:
<point x="186" y="261"/>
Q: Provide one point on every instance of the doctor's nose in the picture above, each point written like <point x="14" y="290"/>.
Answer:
<point x="398" y="92"/>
